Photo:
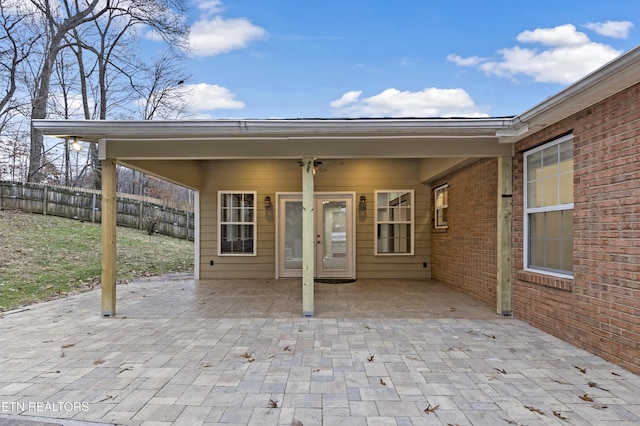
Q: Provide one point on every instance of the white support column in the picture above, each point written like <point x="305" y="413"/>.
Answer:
<point x="109" y="237"/>
<point x="505" y="207"/>
<point x="308" y="237"/>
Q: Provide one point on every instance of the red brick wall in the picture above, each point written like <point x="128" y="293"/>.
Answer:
<point x="464" y="255"/>
<point x="599" y="310"/>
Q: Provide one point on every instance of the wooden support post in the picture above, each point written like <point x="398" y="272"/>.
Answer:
<point x="504" y="252"/>
<point x="108" y="237"/>
<point x="308" y="237"/>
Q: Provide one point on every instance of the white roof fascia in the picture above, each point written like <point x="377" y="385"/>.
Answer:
<point x="92" y="130"/>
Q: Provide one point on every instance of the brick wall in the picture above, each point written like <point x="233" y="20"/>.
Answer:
<point x="464" y="255"/>
<point x="599" y="310"/>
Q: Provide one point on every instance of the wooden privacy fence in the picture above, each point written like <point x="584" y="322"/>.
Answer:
<point x="85" y="205"/>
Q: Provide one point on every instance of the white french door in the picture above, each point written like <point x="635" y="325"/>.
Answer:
<point x="334" y="235"/>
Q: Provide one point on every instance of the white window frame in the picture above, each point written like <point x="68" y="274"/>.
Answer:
<point x="411" y="222"/>
<point x="531" y="210"/>
<point x="438" y="208"/>
<point x="253" y="223"/>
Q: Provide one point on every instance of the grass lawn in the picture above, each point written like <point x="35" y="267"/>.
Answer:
<point x="45" y="257"/>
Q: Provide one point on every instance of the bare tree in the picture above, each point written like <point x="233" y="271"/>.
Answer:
<point x="162" y="93"/>
<point x="58" y="22"/>
<point x="110" y="42"/>
<point x="17" y="42"/>
<point x="113" y="19"/>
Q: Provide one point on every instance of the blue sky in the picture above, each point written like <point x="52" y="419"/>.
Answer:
<point x="374" y="58"/>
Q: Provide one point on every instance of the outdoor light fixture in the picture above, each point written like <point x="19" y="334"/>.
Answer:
<point x="76" y="145"/>
<point x="363" y="202"/>
<point x="267" y="202"/>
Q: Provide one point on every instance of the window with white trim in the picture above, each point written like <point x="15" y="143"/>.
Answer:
<point x="237" y="223"/>
<point x="394" y="222"/>
<point x="548" y="205"/>
<point x="441" y="203"/>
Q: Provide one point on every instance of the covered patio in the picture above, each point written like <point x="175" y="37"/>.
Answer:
<point x="192" y="352"/>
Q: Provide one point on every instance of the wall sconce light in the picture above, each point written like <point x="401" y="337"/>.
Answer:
<point x="363" y="202"/>
<point x="76" y="145"/>
<point x="267" y="202"/>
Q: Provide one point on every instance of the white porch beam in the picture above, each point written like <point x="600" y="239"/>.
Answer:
<point x="108" y="300"/>
<point x="308" y="237"/>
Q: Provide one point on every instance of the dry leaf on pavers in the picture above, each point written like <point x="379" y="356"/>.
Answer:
<point x="366" y="326"/>
<point x="248" y="357"/>
<point x="582" y="370"/>
<point x="431" y="409"/>
<point x="512" y="422"/>
<point x="458" y="349"/>
<point x="599" y="406"/>
<point x="503" y="371"/>
<point x="490" y="336"/>
<point x="296" y="422"/>
<point x="558" y="381"/>
<point x="287" y="348"/>
<point x="273" y="404"/>
<point x="595" y="385"/>
<point x="204" y="365"/>
<point x="371" y="358"/>
<point x="382" y="382"/>
<point x="99" y="361"/>
<point x="125" y="368"/>
<point x="586" y="397"/>
<point x="70" y="345"/>
<point x="109" y="396"/>
<point x="534" y="409"/>
<point x="559" y="415"/>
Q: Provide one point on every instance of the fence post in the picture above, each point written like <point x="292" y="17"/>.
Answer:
<point x="140" y="216"/>
<point x="44" y="201"/>
<point x="93" y="208"/>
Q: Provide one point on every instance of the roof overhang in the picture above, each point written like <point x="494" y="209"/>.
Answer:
<point x="288" y="138"/>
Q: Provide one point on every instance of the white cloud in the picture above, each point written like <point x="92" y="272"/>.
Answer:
<point x="465" y="62"/>
<point x="346" y="99"/>
<point x="429" y="102"/>
<point x="567" y="55"/>
<point x="563" y="35"/>
<point x="613" y="29"/>
<point x="212" y="34"/>
<point x="206" y="97"/>
<point x="210" y="7"/>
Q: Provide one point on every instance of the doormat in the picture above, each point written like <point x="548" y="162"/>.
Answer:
<point x="334" y="280"/>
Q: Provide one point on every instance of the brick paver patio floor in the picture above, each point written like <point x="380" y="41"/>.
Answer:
<point x="377" y="352"/>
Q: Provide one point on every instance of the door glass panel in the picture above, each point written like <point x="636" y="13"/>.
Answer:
<point x="293" y="235"/>
<point x="334" y="247"/>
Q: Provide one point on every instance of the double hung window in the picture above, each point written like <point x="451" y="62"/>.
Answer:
<point x="548" y="171"/>
<point x="394" y="222"/>
<point x="441" y="203"/>
<point x="236" y="223"/>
